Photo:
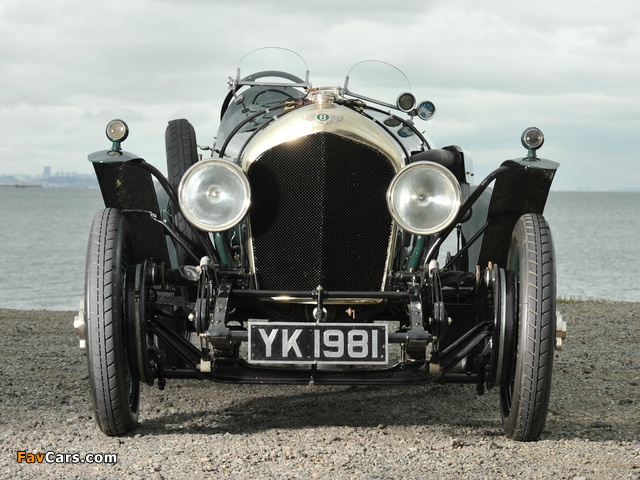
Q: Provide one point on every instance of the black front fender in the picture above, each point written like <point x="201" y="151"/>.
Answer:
<point x="522" y="188"/>
<point x="127" y="186"/>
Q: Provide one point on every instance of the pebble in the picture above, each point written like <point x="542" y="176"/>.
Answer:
<point x="195" y="428"/>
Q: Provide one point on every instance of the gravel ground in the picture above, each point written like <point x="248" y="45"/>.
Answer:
<point x="203" y="430"/>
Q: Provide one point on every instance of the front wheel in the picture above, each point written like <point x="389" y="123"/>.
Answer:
<point x="524" y="397"/>
<point x="115" y="393"/>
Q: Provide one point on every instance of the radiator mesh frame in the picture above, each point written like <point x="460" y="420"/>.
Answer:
<point x="319" y="216"/>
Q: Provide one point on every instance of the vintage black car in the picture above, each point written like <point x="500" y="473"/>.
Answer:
<point x="326" y="241"/>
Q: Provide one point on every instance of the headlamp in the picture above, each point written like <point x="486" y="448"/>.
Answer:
<point x="532" y="139"/>
<point x="117" y="131"/>
<point x="424" y="198"/>
<point x="214" y="195"/>
<point x="426" y="110"/>
<point x="406" y="101"/>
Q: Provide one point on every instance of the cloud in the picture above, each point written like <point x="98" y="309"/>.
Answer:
<point x="67" y="67"/>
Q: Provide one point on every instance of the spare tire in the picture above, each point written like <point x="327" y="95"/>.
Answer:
<point x="182" y="152"/>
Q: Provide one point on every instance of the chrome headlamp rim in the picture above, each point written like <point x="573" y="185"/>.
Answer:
<point x="186" y="193"/>
<point x="447" y="176"/>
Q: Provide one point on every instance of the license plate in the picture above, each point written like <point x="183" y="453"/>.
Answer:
<point x="304" y="343"/>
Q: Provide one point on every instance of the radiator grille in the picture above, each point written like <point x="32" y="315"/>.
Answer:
<point x="319" y="215"/>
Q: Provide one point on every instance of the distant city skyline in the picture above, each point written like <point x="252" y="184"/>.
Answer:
<point x="46" y="173"/>
<point x="47" y="179"/>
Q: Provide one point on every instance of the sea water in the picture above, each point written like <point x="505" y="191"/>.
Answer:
<point x="596" y="242"/>
<point x="43" y="246"/>
<point x="44" y="233"/>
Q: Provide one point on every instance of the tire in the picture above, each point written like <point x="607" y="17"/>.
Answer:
<point x="524" y="398"/>
<point x="182" y="153"/>
<point x="115" y="393"/>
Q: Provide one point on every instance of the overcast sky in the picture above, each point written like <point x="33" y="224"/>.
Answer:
<point x="492" y="68"/>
